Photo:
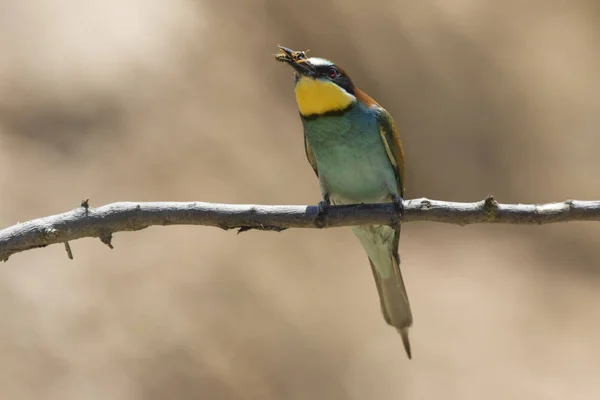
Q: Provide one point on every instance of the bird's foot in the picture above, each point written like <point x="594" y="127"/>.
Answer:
<point x="321" y="213"/>
<point x="399" y="207"/>
<point x="398" y="204"/>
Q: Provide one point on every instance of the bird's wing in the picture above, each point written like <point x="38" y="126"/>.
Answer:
<point x="389" y="136"/>
<point x="393" y="146"/>
<point x="310" y="156"/>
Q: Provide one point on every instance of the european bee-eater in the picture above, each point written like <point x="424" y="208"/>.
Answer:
<point x="353" y="146"/>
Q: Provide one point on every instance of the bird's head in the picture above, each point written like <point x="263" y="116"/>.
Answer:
<point x="321" y="86"/>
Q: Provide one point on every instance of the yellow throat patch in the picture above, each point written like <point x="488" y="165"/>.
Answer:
<point x="315" y="96"/>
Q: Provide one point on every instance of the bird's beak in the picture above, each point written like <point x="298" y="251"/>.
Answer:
<point x="296" y="59"/>
<point x="302" y="68"/>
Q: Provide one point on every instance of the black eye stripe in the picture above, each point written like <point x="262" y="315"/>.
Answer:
<point x="324" y="69"/>
<point x="341" y="79"/>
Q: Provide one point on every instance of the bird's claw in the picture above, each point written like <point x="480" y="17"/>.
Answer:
<point x="399" y="207"/>
<point x="398" y="204"/>
<point x="321" y="213"/>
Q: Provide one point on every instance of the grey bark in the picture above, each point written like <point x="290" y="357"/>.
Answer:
<point x="102" y="222"/>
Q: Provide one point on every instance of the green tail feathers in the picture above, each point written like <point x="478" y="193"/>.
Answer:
<point x="395" y="306"/>
<point x="404" y="334"/>
<point x="381" y="245"/>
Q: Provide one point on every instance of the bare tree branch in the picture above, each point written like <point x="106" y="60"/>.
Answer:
<point x="102" y="222"/>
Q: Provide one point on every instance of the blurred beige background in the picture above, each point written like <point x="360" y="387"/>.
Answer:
<point x="182" y="100"/>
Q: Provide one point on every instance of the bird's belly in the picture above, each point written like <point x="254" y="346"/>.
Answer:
<point x="352" y="161"/>
<point x="357" y="176"/>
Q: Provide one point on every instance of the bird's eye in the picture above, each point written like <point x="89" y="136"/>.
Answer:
<point x="332" y="73"/>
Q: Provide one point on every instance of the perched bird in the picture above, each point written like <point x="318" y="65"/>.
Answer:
<point x="353" y="146"/>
